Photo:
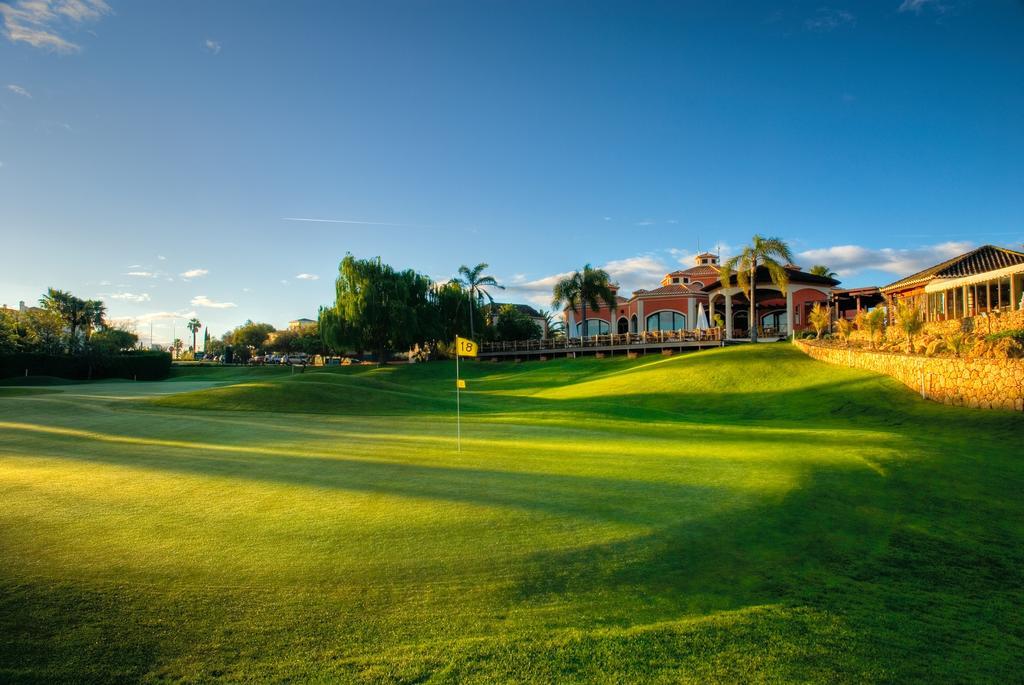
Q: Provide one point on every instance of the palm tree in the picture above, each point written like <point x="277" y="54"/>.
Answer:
<point x="70" y="309"/>
<point x="552" y="324"/>
<point x="476" y="283"/>
<point x="771" y="253"/>
<point x="582" y="288"/>
<point x="194" y="325"/>
<point x="822" y="270"/>
<point x="94" y="314"/>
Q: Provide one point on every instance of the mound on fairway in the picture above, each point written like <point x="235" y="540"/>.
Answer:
<point x="733" y="515"/>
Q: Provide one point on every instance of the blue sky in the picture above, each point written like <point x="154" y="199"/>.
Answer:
<point x="151" y="154"/>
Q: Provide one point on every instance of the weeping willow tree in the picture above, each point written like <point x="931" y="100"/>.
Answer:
<point x="771" y="253"/>
<point x="378" y="308"/>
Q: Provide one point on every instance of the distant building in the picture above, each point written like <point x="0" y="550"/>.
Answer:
<point x="299" y="325"/>
<point x="523" y="309"/>
<point x="988" y="279"/>
<point x="22" y="309"/>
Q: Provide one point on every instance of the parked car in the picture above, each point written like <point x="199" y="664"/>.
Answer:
<point x="295" y="359"/>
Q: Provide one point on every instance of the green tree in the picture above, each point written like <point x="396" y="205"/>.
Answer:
<point x="70" y="309"/>
<point x="822" y="270"/>
<point x="177" y="346"/>
<point x="512" y="324"/>
<point x="771" y="253"/>
<point x="450" y="299"/>
<point x="475" y="283"/>
<point x="194" y="325"/>
<point x="250" y="336"/>
<point x="111" y="340"/>
<point x="819" y="318"/>
<point x="94" y="317"/>
<point x="377" y="308"/>
<point x="9" y="339"/>
<point x="589" y="287"/>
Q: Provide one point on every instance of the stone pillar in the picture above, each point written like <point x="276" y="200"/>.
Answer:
<point x="728" y="314"/>
<point x="641" y="320"/>
<point x="966" y="308"/>
<point x="691" y="322"/>
<point x="789" y="310"/>
<point x="1014" y="295"/>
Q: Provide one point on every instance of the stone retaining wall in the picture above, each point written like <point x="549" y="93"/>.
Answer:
<point x="984" y="383"/>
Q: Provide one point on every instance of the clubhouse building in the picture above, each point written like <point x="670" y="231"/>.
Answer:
<point x="696" y="298"/>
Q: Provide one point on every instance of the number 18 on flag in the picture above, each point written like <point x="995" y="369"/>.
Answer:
<point x="465" y="347"/>
<point x="460" y="384"/>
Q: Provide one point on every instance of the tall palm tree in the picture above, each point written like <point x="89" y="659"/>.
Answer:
<point x="771" y="253"/>
<point x="822" y="270"/>
<point x="476" y="282"/>
<point x="582" y="288"/>
<point x="194" y="325"/>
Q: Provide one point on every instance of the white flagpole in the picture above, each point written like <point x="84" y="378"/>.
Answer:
<point x="458" y="400"/>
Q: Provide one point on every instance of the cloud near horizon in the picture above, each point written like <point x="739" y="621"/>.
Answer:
<point x="130" y="297"/>
<point x="40" y="23"/>
<point x="194" y="273"/>
<point x="204" y="301"/>
<point x="850" y="260"/>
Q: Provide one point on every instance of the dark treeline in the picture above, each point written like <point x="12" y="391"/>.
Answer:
<point x="69" y="337"/>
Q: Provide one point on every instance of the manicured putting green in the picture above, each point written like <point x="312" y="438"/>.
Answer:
<point x="743" y="514"/>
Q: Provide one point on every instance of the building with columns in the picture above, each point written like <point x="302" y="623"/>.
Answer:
<point x="777" y="313"/>
<point x="675" y="304"/>
<point x="672" y="306"/>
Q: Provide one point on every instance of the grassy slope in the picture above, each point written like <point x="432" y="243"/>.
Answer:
<point x="738" y="514"/>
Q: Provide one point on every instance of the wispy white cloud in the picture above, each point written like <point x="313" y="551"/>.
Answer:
<point x="157" y="316"/>
<point x="141" y="274"/>
<point x="350" y="221"/>
<point x="212" y="46"/>
<point x="18" y="90"/>
<point x="130" y="297"/>
<point x="161" y="257"/>
<point x="828" y="19"/>
<point x="41" y="23"/>
<point x="194" y="273"/>
<point x="204" y="301"/>
<point x="919" y="6"/>
<point x="849" y="260"/>
<point x="307" y="277"/>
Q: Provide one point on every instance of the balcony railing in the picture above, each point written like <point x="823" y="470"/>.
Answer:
<point x="611" y="340"/>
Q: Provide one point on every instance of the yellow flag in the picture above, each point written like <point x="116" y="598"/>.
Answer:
<point x="465" y="347"/>
<point x="460" y="384"/>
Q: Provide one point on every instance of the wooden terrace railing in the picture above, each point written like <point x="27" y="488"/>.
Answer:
<point x="618" y="340"/>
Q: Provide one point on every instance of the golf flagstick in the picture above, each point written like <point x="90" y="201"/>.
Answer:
<point x="458" y="404"/>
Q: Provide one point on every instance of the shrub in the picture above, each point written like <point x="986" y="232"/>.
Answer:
<point x="146" y="366"/>
<point x="910" y="320"/>
<point x="819" y="318"/>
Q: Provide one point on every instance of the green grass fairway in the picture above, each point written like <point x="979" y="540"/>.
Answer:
<point x="744" y="514"/>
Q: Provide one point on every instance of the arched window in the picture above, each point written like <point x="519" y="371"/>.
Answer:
<point x="632" y="324"/>
<point x="623" y="325"/>
<point x="697" y="284"/>
<point x="594" y="327"/>
<point x="666" y="321"/>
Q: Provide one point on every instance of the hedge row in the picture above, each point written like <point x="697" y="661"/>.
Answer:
<point x="143" y="366"/>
